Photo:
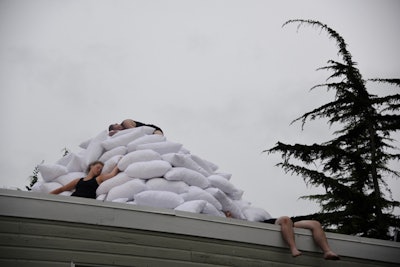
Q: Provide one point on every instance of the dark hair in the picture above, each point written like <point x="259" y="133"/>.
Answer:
<point x="94" y="163"/>
<point x="111" y="127"/>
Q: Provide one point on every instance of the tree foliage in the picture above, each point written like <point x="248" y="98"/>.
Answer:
<point x="353" y="166"/>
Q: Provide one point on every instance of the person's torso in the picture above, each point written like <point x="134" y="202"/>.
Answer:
<point x="86" y="188"/>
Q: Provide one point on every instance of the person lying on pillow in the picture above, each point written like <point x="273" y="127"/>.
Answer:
<point x="87" y="186"/>
<point x="129" y="123"/>
<point x="287" y="232"/>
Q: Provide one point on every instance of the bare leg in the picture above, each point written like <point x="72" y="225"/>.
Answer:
<point x="158" y="132"/>
<point x="288" y="234"/>
<point x="319" y="237"/>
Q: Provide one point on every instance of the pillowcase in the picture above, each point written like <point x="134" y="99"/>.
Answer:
<point x="69" y="177"/>
<point x="194" y="206"/>
<point x="122" y="139"/>
<point x="159" y="199"/>
<point x="119" y="150"/>
<point x="94" y="149"/>
<point x="118" y="179"/>
<point x="184" y="160"/>
<point x="226" y="186"/>
<point x="110" y="164"/>
<point x="160" y="184"/>
<point x="137" y="156"/>
<point x="255" y="214"/>
<point x="126" y="190"/>
<point x="152" y="138"/>
<point x="75" y="164"/>
<point x="148" y="169"/>
<point x="51" y="171"/>
<point x="227" y="203"/>
<point x="196" y="193"/>
<point x="161" y="147"/>
<point x="210" y="209"/>
<point x="48" y="187"/>
<point x="206" y="165"/>
<point x="188" y="176"/>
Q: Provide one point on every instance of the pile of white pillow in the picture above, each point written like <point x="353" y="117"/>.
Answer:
<point x="154" y="172"/>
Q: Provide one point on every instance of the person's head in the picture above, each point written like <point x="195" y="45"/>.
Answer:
<point x="95" y="167"/>
<point x="128" y="123"/>
<point x="115" y="126"/>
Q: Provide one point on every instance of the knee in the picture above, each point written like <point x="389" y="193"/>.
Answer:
<point x="284" y="220"/>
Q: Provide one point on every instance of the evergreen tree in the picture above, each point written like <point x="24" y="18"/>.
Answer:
<point x="355" y="164"/>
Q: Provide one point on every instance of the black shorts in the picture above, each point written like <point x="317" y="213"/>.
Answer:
<point x="139" y="124"/>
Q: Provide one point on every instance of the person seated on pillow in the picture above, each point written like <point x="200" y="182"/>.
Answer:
<point x="314" y="226"/>
<point x="87" y="186"/>
<point x="129" y="123"/>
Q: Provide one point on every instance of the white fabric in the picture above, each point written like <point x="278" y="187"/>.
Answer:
<point x="255" y="214"/>
<point x="161" y="184"/>
<point x="48" y="187"/>
<point x="195" y="206"/>
<point x="210" y="209"/>
<point x="94" y="149"/>
<point x="51" y="171"/>
<point x="126" y="190"/>
<point x="160" y="199"/>
<point x="148" y="169"/>
<point x="226" y="186"/>
<point x="184" y="160"/>
<point x="69" y="177"/>
<point x="196" y="193"/>
<point x="110" y="164"/>
<point x="137" y="156"/>
<point x="151" y="138"/>
<point x="120" y="200"/>
<point x="164" y="147"/>
<point x="227" y="203"/>
<point x="76" y="163"/>
<point x="106" y="186"/>
<point x="122" y="139"/>
<point x="189" y="176"/>
<point x="119" y="150"/>
<point x="206" y="165"/>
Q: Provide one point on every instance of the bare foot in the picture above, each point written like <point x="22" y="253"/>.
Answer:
<point x="330" y="255"/>
<point x="295" y="252"/>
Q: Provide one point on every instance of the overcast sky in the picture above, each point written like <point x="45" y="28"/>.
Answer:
<point x="223" y="78"/>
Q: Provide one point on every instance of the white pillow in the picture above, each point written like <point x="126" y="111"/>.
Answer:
<point x="210" y="209"/>
<point x="206" y="165"/>
<point x="227" y="176"/>
<point x="69" y="177"/>
<point x="75" y="164"/>
<point x="106" y="186"/>
<point x="119" y="150"/>
<point x="195" y="206"/>
<point x="160" y="184"/>
<point x="51" y="171"/>
<point x="255" y="214"/>
<point x="151" y="138"/>
<point x="126" y="190"/>
<point x="148" y="169"/>
<point x="184" y="160"/>
<point x="226" y="186"/>
<point x="123" y="139"/>
<point x="94" y="149"/>
<point x="137" y="156"/>
<point x="101" y="197"/>
<point x="227" y="203"/>
<point x="110" y="164"/>
<point x="85" y="143"/>
<point x="190" y="177"/>
<point x="159" y="199"/>
<point x="120" y="200"/>
<point x="196" y="193"/>
<point x="65" y="160"/>
<point x="48" y="187"/>
<point x="161" y="147"/>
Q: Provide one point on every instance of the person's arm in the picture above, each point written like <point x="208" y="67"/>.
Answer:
<point x="68" y="187"/>
<point x="103" y="177"/>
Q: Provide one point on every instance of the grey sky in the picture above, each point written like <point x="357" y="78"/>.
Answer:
<point x="221" y="77"/>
